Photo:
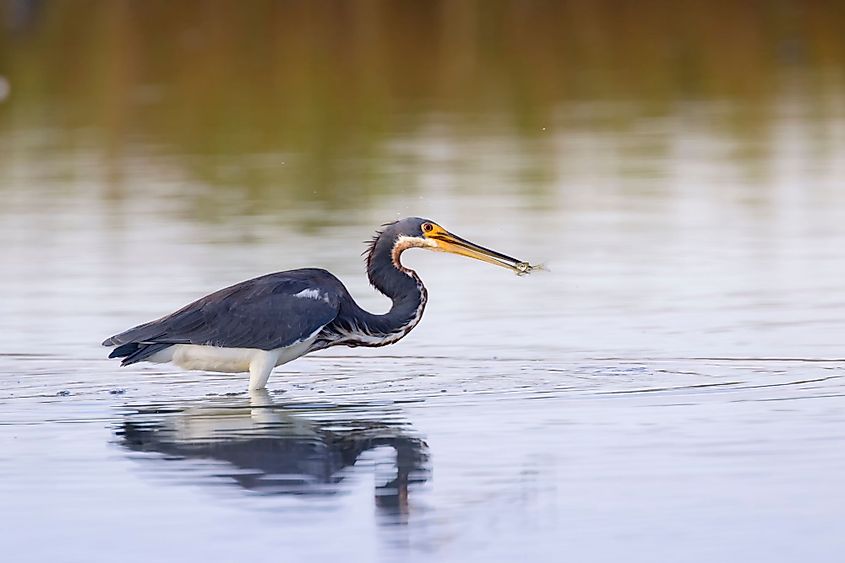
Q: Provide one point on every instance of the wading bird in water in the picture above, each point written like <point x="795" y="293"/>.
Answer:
<point x="258" y="324"/>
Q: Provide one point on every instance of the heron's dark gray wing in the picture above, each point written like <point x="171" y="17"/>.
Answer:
<point x="268" y="312"/>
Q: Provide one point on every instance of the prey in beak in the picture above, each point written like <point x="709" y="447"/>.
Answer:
<point x="445" y="241"/>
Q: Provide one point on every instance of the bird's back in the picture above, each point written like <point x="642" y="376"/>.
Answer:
<point x="268" y="312"/>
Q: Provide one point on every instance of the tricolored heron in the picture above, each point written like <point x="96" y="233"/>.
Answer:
<point x="267" y="321"/>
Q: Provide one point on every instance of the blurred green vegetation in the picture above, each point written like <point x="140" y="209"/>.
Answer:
<point x="304" y="98"/>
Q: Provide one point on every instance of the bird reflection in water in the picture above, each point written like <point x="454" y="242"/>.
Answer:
<point x="289" y="449"/>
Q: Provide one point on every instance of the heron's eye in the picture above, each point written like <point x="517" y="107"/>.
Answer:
<point x="427" y="227"/>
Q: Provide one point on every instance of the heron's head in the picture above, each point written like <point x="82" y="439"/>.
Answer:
<point x="425" y="233"/>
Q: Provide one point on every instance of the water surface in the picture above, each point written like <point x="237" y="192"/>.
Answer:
<point x="671" y="389"/>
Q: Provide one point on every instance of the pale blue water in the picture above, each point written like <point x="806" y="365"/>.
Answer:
<point x="671" y="389"/>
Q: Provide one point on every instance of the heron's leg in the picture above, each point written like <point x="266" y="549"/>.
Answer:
<point x="259" y="370"/>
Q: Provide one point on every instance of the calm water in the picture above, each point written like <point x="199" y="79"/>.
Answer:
<point x="671" y="389"/>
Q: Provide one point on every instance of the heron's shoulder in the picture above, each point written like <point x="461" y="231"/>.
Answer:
<point x="302" y="276"/>
<point x="301" y="282"/>
<point x="277" y="285"/>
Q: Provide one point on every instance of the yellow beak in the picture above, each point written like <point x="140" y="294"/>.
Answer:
<point x="448" y="242"/>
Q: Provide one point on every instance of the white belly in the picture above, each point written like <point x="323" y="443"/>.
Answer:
<point x="227" y="360"/>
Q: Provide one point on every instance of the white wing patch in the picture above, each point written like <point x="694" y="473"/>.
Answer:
<point x="312" y="294"/>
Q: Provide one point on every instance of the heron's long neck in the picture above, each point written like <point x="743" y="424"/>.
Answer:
<point x="401" y="285"/>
